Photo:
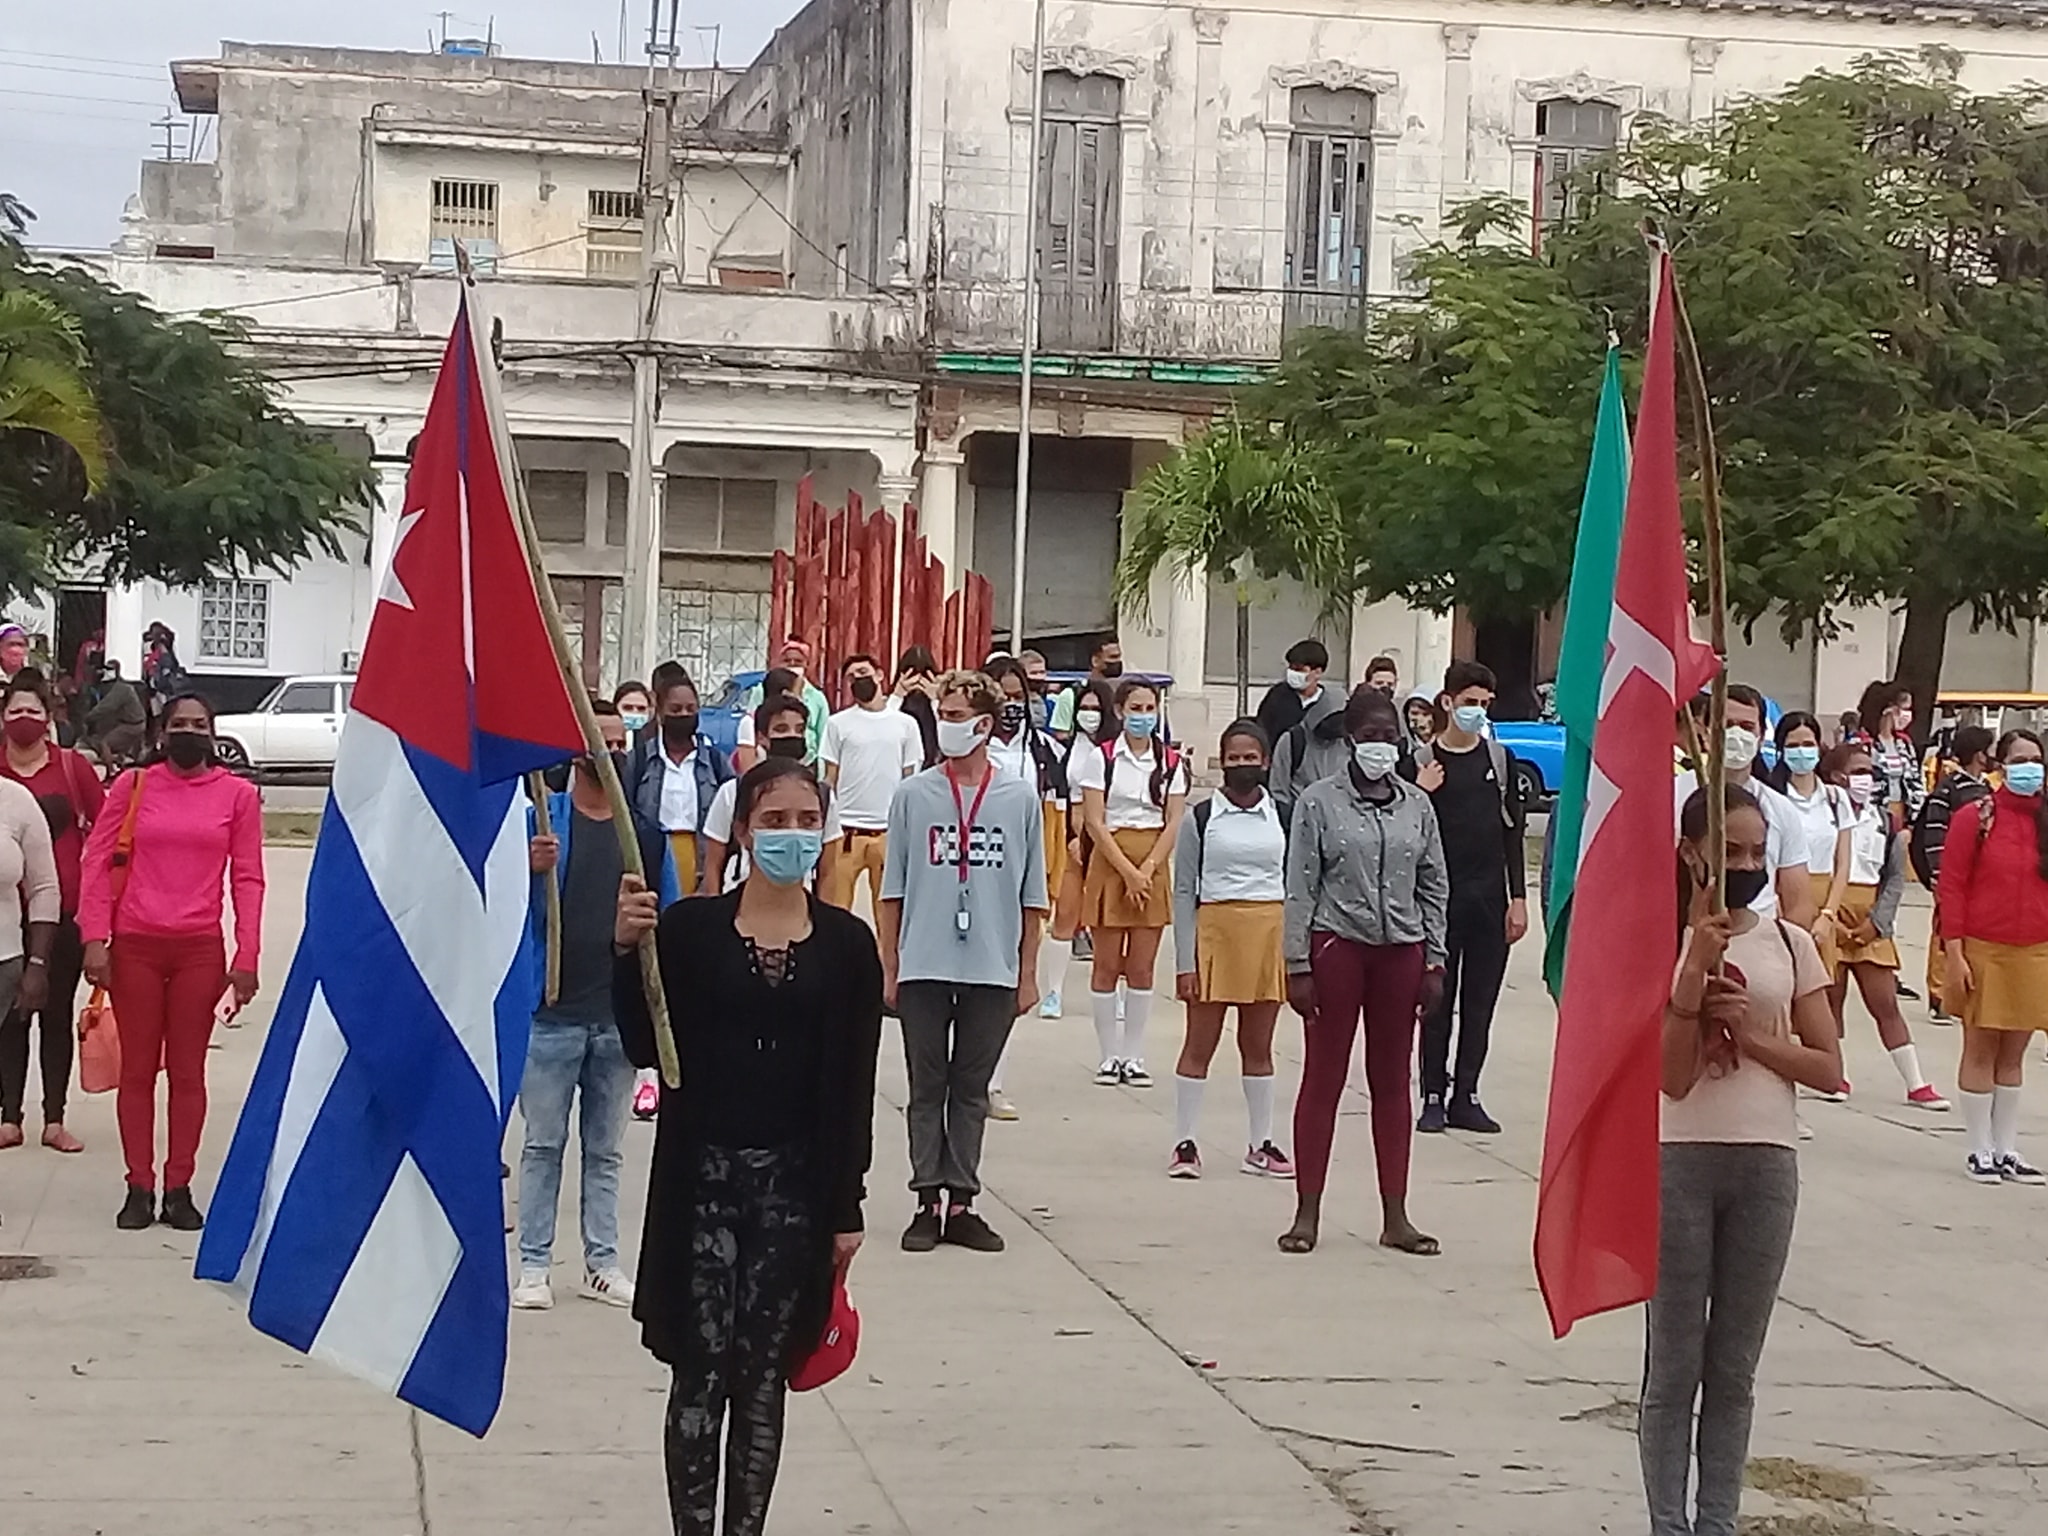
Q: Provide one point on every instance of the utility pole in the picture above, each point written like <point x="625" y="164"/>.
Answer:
<point x="640" y="636"/>
<point x="1028" y="351"/>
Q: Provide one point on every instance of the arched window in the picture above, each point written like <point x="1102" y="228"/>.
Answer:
<point x="1569" y="135"/>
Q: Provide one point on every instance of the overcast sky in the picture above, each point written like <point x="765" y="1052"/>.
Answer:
<point x="82" y="83"/>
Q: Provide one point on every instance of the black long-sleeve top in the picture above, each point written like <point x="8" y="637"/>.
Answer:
<point x="791" y="1064"/>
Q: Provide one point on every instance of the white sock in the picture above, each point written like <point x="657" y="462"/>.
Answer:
<point x="1187" y="1106"/>
<point x="1977" y="1122"/>
<point x="1137" y="1013"/>
<point x="2005" y="1121"/>
<point x="1258" y="1107"/>
<point x="1907" y="1060"/>
<point x="1104" y="1004"/>
<point x="1054" y="956"/>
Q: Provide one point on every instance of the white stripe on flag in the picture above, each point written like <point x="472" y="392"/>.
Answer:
<point x="394" y="1287"/>
<point x="1632" y="648"/>
<point x="462" y="941"/>
<point x="314" y="1066"/>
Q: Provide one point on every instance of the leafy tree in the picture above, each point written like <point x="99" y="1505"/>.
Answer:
<point x="204" y="470"/>
<point x="1864" y="261"/>
<point x="1240" y="498"/>
<point x="1457" y="429"/>
<point x="42" y="379"/>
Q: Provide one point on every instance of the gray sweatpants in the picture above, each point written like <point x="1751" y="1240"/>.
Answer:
<point x="953" y="1036"/>
<point x="1725" y="1232"/>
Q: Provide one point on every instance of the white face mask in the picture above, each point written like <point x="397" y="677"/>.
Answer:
<point x="1375" y="759"/>
<point x="1739" y="749"/>
<point x="1089" y="720"/>
<point x="1297" y="680"/>
<point x="1861" y="787"/>
<point x="958" y="738"/>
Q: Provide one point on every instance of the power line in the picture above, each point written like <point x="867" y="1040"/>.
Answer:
<point x="80" y="58"/>
<point x="72" y="69"/>
<point x="107" y="101"/>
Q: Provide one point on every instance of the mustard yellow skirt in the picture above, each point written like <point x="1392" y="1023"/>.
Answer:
<point x="1237" y="952"/>
<point x="2009" y="985"/>
<point x="1838" y="947"/>
<point x="1055" y="847"/>
<point x="1106" y="902"/>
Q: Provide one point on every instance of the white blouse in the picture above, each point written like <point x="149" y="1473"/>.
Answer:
<point x="1127" y="797"/>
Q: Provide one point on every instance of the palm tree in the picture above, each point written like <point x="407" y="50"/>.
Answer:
<point x="43" y="384"/>
<point x="1243" y="498"/>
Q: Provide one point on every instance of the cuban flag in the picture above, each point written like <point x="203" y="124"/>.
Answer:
<point x="359" y="1212"/>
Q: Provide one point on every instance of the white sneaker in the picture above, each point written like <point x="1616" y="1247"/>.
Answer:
<point x="1000" y="1107"/>
<point x="609" y="1286"/>
<point x="1110" y="1074"/>
<point x="533" y="1293"/>
<point x="1135" y="1075"/>
<point x="1050" y="1007"/>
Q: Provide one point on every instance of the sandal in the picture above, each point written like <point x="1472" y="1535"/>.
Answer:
<point x="1421" y="1244"/>
<point x="1292" y="1241"/>
<point x="58" y="1139"/>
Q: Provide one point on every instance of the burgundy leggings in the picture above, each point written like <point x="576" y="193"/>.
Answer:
<point x="1384" y="983"/>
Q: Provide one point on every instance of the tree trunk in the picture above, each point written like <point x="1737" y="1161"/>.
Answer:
<point x="1244" y="653"/>
<point x="1921" y="644"/>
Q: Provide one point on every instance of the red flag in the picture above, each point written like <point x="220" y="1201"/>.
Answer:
<point x="1596" y="1208"/>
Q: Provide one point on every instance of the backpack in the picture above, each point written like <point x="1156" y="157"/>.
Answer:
<point x="1497" y="754"/>
<point x="1945" y="793"/>
<point x="1169" y="763"/>
<point x="1207" y="808"/>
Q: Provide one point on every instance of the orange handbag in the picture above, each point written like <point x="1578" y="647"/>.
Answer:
<point x="99" y="1037"/>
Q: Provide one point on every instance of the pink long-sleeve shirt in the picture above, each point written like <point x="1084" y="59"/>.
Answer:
<point x="191" y="835"/>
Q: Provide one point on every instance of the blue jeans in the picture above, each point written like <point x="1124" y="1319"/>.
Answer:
<point x="561" y="1058"/>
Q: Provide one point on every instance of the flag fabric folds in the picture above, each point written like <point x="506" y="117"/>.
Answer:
<point x="1597" y="1204"/>
<point x="359" y="1212"/>
<point x="1582" y="656"/>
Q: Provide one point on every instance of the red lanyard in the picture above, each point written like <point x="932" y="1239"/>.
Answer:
<point x="966" y="814"/>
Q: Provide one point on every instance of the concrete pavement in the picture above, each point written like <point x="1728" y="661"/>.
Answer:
<point x="1141" y="1360"/>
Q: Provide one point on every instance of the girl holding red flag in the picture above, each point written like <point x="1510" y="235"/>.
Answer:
<point x="1748" y="1020"/>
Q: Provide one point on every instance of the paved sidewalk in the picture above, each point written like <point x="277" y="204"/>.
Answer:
<point x="1066" y="1387"/>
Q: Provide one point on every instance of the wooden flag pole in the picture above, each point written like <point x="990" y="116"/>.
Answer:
<point x="1714" y="552"/>
<point x="543" y="826"/>
<point x="572" y="679"/>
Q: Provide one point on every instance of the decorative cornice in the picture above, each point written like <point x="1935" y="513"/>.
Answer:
<point x="1209" y="25"/>
<point x="1458" y="41"/>
<point x="1705" y="53"/>
<point x="1080" y="59"/>
<point x="1579" y="86"/>
<point x="1336" y="75"/>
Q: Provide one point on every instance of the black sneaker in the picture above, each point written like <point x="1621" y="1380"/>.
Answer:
<point x="966" y="1229"/>
<point x="922" y="1235"/>
<point x="1467" y="1114"/>
<point x="1432" y="1119"/>
<point x="1907" y="994"/>
<point x="138" y="1211"/>
<point x="179" y="1213"/>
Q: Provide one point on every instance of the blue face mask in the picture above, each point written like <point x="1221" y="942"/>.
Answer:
<point x="1141" y="725"/>
<point x="786" y="856"/>
<point x="1470" y="718"/>
<point x="1802" y="759"/>
<point x="2024" y="778"/>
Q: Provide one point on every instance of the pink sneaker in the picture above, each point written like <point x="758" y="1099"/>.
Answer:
<point x="1186" y="1162"/>
<point x="646" y="1099"/>
<point x="1268" y="1162"/>
<point x="1924" y="1097"/>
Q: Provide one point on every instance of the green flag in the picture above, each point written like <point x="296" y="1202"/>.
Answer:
<point x="1582" y="657"/>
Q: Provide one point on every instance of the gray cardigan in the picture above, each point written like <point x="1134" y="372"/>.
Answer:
<point x="1367" y="872"/>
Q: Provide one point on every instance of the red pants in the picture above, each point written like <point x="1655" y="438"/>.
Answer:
<point x="1384" y="984"/>
<point x="164" y="993"/>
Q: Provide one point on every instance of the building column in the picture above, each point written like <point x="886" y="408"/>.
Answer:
<point x="1209" y="25"/>
<point x="1457" y="146"/>
<point x="938" y="509"/>
<point x="125" y="620"/>
<point x="1705" y="53"/>
<point x="391" y="476"/>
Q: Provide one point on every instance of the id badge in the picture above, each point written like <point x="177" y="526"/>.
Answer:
<point x="962" y="919"/>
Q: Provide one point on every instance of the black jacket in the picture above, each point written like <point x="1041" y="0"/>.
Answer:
<point x="697" y="942"/>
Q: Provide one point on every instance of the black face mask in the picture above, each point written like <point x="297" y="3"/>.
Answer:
<point x="1743" y="886"/>
<point x="787" y="746"/>
<point x="187" y="749"/>
<point x="1112" y="669"/>
<point x="678" y="730"/>
<point x="865" y="689"/>
<point x="1013" y="718"/>
<point x="1243" y="778"/>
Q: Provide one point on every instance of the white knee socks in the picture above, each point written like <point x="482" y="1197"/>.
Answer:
<point x="1137" y="1013"/>
<point x="1054" y="956"/>
<point x="1258" y="1107"/>
<point x="1907" y="1060"/>
<point x="2005" y="1121"/>
<point x="1104" y="1004"/>
<point x="1977" y="1123"/>
<point x="1187" y="1106"/>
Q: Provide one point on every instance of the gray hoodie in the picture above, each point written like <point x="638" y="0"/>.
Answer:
<point x="1313" y="750"/>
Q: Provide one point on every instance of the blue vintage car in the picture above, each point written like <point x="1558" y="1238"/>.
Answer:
<point x="1538" y="746"/>
<point x="719" y="718"/>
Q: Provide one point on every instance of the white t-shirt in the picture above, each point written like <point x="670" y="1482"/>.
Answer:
<point x="678" y="792"/>
<point x="1869" y="842"/>
<point x="1752" y="1104"/>
<point x="1128" y="802"/>
<point x="1784" y="834"/>
<point x="718" y="829"/>
<point x="874" y="749"/>
<point x="1822" y="817"/>
<point x="1244" y="853"/>
<point x="1014" y="758"/>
